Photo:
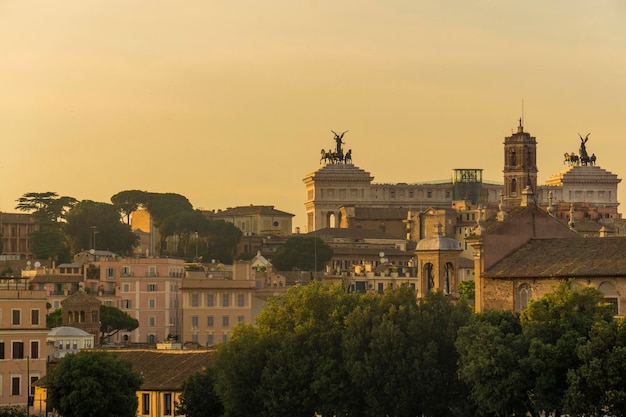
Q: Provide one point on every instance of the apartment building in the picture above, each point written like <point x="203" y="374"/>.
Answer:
<point x="215" y="302"/>
<point x="148" y="289"/>
<point x="22" y="341"/>
<point x="16" y="229"/>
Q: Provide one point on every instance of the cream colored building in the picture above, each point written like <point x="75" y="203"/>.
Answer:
<point x="22" y="341"/>
<point x="215" y="302"/>
<point x="334" y="186"/>
<point x="255" y="220"/>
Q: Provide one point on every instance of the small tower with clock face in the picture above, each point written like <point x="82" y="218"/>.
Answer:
<point x="520" y="166"/>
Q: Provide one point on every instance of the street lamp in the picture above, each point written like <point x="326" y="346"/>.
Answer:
<point x="94" y="237"/>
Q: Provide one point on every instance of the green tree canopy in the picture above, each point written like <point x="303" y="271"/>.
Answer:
<point x="598" y="386"/>
<point x="13" y="411"/>
<point x="492" y="350"/>
<point x="199" y="398"/>
<point x="48" y="206"/>
<point x="54" y="319"/>
<point x="128" y="201"/>
<point x="111" y="234"/>
<point x="556" y="325"/>
<point x="93" y="384"/>
<point x="302" y="252"/>
<point x="113" y="320"/>
<point x="320" y="350"/>
<point x="49" y="210"/>
<point x="161" y="207"/>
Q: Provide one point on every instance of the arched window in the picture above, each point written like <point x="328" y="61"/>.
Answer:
<point x="610" y="295"/>
<point x="513" y="158"/>
<point x="513" y="186"/>
<point x="332" y="220"/>
<point x="82" y="317"/>
<point x="448" y="278"/>
<point x="523" y="297"/>
<point x="70" y="317"/>
<point x="429" y="276"/>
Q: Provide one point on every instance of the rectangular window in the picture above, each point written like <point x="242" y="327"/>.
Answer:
<point x="33" y="379"/>
<point x="110" y="273"/>
<point x="195" y="299"/>
<point x="210" y="301"/>
<point x="1" y="350"/>
<point x="429" y="194"/>
<point x="152" y="321"/>
<point x="126" y="304"/>
<point x="240" y="319"/>
<point x="152" y="287"/>
<point x="125" y="272"/>
<point x="108" y="303"/>
<point x="152" y="271"/>
<point x="194" y="321"/>
<point x="17" y="317"/>
<point x="225" y="321"/>
<point x="194" y="337"/>
<point x="18" y="350"/>
<point x="126" y="287"/>
<point x="210" y="322"/>
<point x="225" y="300"/>
<point x="152" y="303"/>
<point x="145" y="404"/>
<point x="241" y="300"/>
<point x="15" y="385"/>
<point x="34" y="317"/>
<point x="224" y="337"/>
<point x="167" y="404"/>
<point x="209" y="339"/>
<point x="34" y="349"/>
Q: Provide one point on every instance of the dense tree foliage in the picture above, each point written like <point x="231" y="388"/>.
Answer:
<point x="302" y="252"/>
<point x="198" y="397"/>
<point x="539" y="362"/>
<point x="49" y="210"/>
<point x="93" y="384"/>
<point x="54" y="319"/>
<point x="13" y="411"/>
<point x="598" y="385"/>
<point x="113" y="320"/>
<point x="318" y="349"/>
<point x="128" y="201"/>
<point x="555" y="326"/>
<point x="89" y="220"/>
<point x="492" y="351"/>
<point x="47" y="206"/>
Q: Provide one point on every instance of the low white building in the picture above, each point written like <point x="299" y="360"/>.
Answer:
<point x="66" y="339"/>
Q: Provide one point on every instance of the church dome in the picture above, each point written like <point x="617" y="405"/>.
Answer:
<point x="438" y="242"/>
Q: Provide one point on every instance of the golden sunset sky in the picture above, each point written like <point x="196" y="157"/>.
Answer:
<point x="229" y="102"/>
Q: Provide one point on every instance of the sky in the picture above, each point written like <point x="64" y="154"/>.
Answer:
<point x="229" y="102"/>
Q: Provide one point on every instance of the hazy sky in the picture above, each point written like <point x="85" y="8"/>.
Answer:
<point x="229" y="102"/>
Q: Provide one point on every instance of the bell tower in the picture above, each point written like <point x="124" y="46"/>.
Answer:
<point x="520" y="166"/>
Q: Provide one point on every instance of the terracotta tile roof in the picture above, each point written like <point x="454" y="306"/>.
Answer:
<point x="42" y="279"/>
<point x="247" y="211"/>
<point x="369" y="213"/>
<point x="569" y="257"/>
<point x="354" y="233"/>
<point x="166" y="370"/>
